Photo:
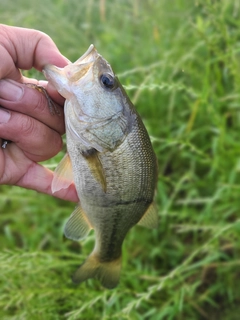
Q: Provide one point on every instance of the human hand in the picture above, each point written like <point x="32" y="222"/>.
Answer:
<point x="24" y="114"/>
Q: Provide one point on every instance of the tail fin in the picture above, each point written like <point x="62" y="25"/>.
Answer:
<point x="108" y="273"/>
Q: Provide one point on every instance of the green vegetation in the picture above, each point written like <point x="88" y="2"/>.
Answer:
<point x="180" y="63"/>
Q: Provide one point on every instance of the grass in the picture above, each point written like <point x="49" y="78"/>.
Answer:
<point x="179" y="62"/>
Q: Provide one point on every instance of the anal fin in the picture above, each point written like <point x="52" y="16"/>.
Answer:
<point x="63" y="175"/>
<point x="150" y="217"/>
<point x="77" y="226"/>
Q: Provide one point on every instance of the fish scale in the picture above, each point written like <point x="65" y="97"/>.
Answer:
<point x="109" y="157"/>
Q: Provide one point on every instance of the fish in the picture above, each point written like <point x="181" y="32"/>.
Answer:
<point x="111" y="160"/>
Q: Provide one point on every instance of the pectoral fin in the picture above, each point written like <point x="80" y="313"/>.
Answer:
<point x="63" y="175"/>
<point x="150" y="217"/>
<point x="96" y="167"/>
<point x="77" y="226"/>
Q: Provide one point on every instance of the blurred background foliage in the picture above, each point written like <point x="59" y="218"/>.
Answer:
<point x="180" y="64"/>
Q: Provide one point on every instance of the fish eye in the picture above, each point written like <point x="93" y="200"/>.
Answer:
<point x="107" y="80"/>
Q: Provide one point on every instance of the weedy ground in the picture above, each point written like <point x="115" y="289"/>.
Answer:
<point x="180" y="64"/>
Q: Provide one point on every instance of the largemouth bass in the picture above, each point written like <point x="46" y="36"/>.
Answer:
<point x="111" y="159"/>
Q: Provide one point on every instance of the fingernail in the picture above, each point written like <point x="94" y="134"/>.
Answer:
<point x="4" y="115"/>
<point x="10" y="90"/>
<point x="42" y="83"/>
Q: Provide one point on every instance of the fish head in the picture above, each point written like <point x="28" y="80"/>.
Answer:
<point x="89" y="82"/>
<point x="95" y="99"/>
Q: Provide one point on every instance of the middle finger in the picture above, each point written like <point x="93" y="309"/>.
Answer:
<point x="21" y="98"/>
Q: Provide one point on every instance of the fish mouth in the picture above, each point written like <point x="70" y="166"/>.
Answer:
<point x="89" y="56"/>
<point x="63" y="78"/>
<point x="79" y="68"/>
